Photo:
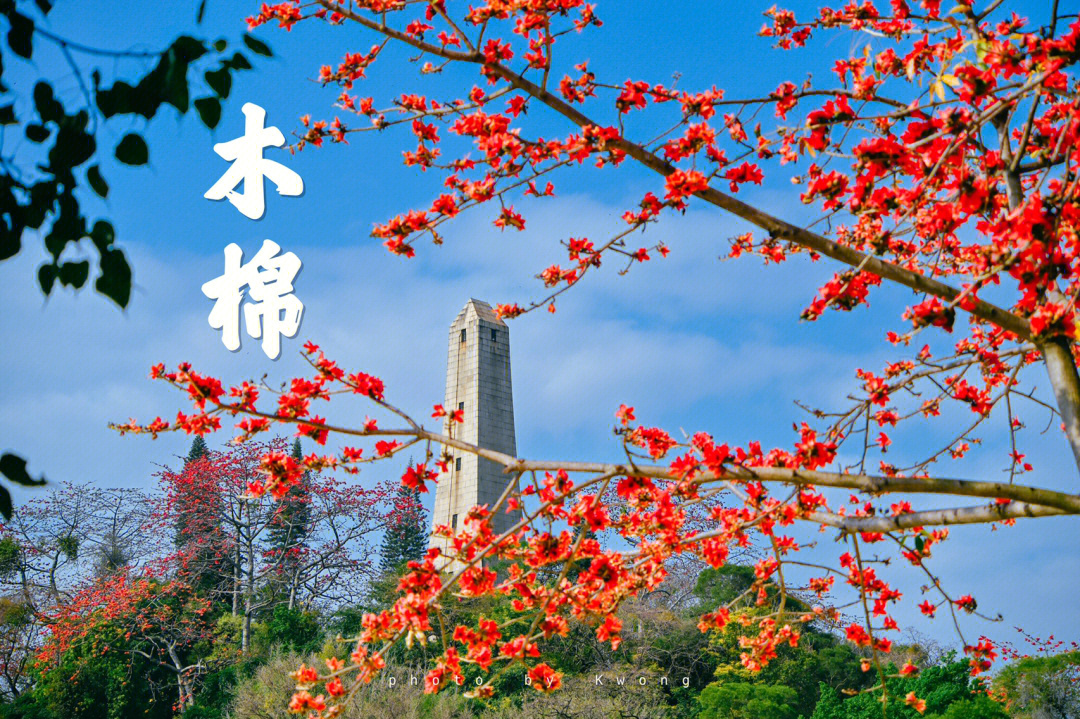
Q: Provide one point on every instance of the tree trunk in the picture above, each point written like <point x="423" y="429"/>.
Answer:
<point x="236" y="572"/>
<point x="1057" y="354"/>
<point x="1056" y="351"/>
<point x="249" y="588"/>
<point x="187" y="697"/>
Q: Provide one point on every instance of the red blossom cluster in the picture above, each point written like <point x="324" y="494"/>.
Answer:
<point x="943" y="158"/>
<point x="652" y="505"/>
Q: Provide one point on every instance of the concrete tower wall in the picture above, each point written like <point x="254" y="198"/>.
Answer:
<point x="478" y="381"/>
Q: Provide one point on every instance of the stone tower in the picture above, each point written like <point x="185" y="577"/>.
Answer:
<point x="477" y="382"/>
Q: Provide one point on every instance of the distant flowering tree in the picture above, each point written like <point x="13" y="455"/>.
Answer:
<point x="943" y="156"/>
<point x="231" y="525"/>
<point x="152" y="620"/>
<point x="1043" y="678"/>
<point x="288" y="535"/>
<point x="55" y="546"/>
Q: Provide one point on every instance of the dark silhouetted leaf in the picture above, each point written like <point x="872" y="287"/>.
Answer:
<point x="132" y="150"/>
<point x="103" y="235"/>
<point x="48" y="107"/>
<point x="46" y="276"/>
<point x="37" y="133"/>
<point x="97" y="182"/>
<point x="74" y="274"/>
<point x="13" y="467"/>
<point x="188" y="49"/>
<point x="20" y="36"/>
<point x="116" y="100"/>
<point x="115" y="279"/>
<point x="220" y="81"/>
<point x="209" y="109"/>
<point x="257" y="46"/>
<point x="73" y="147"/>
<point x="10" y="242"/>
<point x="7" y="115"/>
<point x="238" y="62"/>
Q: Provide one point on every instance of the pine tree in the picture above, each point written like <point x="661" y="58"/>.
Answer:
<point x="287" y="536"/>
<point x="405" y="538"/>
<point x="209" y="569"/>
<point x="198" y="449"/>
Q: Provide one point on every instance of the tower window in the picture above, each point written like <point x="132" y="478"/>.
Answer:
<point x="453" y="522"/>
<point x="457" y="464"/>
<point x="462" y="335"/>
<point x="493" y="335"/>
<point x="461" y="405"/>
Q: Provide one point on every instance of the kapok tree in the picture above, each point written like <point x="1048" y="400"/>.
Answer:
<point x="228" y="532"/>
<point x="51" y="549"/>
<point x="288" y="536"/>
<point x="150" y="619"/>
<point x="56" y="544"/>
<point x="943" y="158"/>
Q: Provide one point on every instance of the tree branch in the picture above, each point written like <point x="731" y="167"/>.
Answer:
<point x="932" y="517"/>
<point x="779" y="228"/>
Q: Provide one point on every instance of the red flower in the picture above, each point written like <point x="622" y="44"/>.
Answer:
<point x="744" y="173"/>
<point x="914" y="702"/>
<point x="415" y="477"/>
<point x="544" y="679"/>
<point x="681" y="183"/>
<point x="610" y="631"/>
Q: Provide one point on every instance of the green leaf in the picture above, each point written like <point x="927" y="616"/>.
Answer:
<point x="209" y="109"/>
<point x="7" y="115"/>
<point x="257" y="46"/>
<point x="220" y="45"/>
<point x="220" y="81"/>
<point x="74" y="274"/>
<point x="37" y="133"/>
<point x="132" y="150"/>
<point x="97" y="182"/>
<point x="46" y="275"/>
<point x="115" y="279"/>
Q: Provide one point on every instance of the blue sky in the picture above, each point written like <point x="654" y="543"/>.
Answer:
<point x="692" y="342"/>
